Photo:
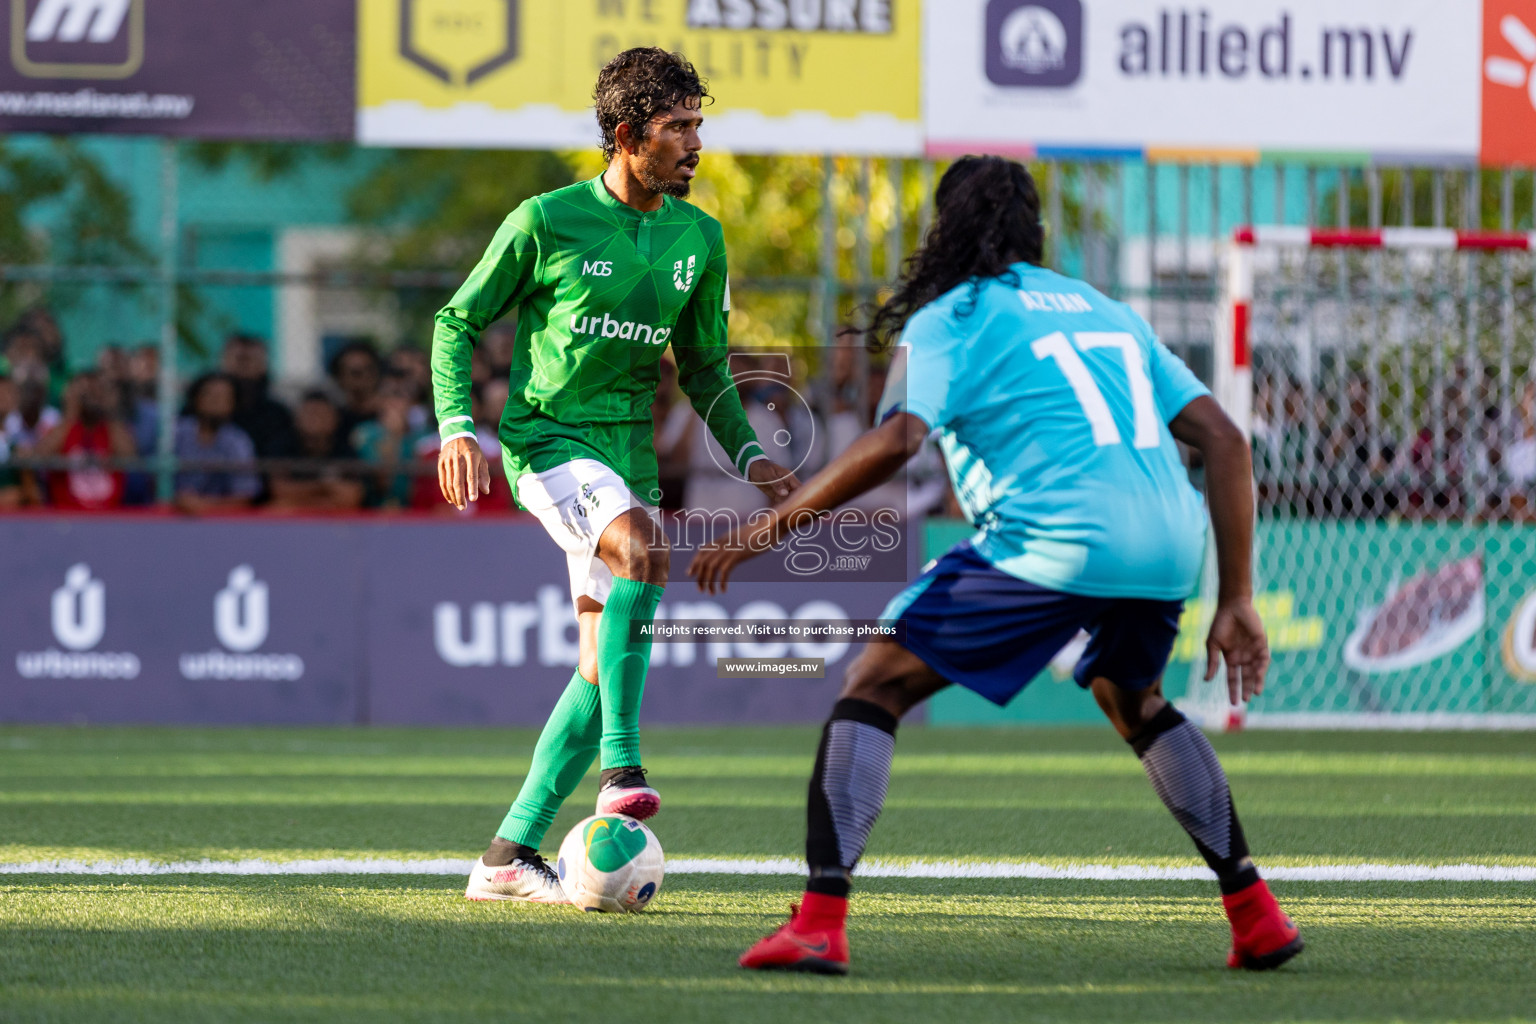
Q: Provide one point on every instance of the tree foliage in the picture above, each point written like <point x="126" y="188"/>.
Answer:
<point x="436" y="210"/>
<point x="60" y="206"/>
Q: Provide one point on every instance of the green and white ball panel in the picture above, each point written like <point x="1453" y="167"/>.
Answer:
<point x="611" y="863"/>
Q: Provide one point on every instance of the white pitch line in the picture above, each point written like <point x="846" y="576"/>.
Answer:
<point x="787" y="866"/>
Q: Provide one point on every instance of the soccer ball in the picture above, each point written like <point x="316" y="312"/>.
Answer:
<point x="612" y="863"/>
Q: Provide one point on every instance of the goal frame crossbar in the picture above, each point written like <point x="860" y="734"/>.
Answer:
<point x="1233" y="362"/>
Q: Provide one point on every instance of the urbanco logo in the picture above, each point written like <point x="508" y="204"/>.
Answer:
<point x="499" y="634"/>
<point x="607" y="327"/>
<point x="1037" y="43"/>
<point x="79" y="609"/>
<point x="240" y="611"/>
<point x="78" y="614"/>
<point x="241" y="622"/>
<point x="679" y="282"/>
<point x="100" y="39"/>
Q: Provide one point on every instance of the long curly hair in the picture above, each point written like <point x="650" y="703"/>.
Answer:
<point x="637" y="85"/>
<point x="987" y="217"/>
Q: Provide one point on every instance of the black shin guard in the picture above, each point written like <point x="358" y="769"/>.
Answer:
<point x="853" y="769"/>
<point x="1183" y="768"/>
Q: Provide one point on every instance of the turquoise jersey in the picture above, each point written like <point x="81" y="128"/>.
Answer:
<point x="1052" y="404"/>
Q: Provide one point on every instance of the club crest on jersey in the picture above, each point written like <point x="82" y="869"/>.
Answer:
<point x="680" y="282"/>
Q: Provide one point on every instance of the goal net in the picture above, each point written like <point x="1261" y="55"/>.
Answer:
<point x="1387" y="380"/>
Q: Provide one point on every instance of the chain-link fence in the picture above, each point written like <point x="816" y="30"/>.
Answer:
<point x="1394" y="435"/>
<point x="329" y="335"/>
<point x="1395" y="383"/>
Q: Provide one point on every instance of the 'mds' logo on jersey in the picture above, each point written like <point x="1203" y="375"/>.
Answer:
<point x="1035" y="42"/>
<point x="92" y="39"/>
<point x="459" y="42"/>
<point x="597" y="268"/>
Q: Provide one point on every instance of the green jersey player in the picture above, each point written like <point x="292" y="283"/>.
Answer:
<point x="604" y="274"/>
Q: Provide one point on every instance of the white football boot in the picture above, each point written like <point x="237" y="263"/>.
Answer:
<point x="528" y="879"/>
<point x="626" y="793"/>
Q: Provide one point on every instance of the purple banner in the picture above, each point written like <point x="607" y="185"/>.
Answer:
<point x="251" y="621"/>
<point x="166" y="621"/>
<point x="277" y="69"/>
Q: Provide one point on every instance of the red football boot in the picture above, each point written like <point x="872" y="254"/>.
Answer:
<point x="812" y="940"/>
<point x="1263" y="937"/>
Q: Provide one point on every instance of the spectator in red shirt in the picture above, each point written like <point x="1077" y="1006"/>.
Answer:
<point x="85" y="436"/>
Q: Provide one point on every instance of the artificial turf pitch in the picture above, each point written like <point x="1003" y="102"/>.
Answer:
<point x="376" y="948"/>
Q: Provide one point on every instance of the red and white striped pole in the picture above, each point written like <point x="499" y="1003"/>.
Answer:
<point x="1233" y="363"/>
<point x="1234" y="369"/>
<point x="1284" y="236"/>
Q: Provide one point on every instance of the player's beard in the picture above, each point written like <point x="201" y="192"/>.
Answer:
<point x="650" y="175"/>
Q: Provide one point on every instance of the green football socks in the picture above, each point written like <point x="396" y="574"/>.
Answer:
<point x="588" y="717"/>
<point x="562" y="756"/>
<point x="622" y="661"/>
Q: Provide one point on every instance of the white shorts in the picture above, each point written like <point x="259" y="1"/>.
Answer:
<point x="575" y="502"/>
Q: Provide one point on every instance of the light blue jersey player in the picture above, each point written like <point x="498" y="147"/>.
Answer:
<point x="1057" y="411"/>
<point x="1052" y="404"/>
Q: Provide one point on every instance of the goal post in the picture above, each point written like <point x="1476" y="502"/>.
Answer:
<point x="1387" y="382"/>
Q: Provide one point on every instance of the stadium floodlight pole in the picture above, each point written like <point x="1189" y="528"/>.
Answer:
<point x="165" y="397"/>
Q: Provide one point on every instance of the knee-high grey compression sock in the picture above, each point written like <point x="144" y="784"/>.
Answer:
<point x="1183" y="768"/>
<point x="853" y="770"/>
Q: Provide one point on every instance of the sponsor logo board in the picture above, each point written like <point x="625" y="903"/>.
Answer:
<point x="241" y="622"/>
<point x="81" y="39"/>
<point x="1226" y="79"/>
<point x="78" y="615"/>
<point x="1509" y="82"/>
<point x="520" y="74"/>
<point x="277" y="69"/>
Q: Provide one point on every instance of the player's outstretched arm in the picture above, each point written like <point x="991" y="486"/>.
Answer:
<point x="868" y="462"/>
<point x="1237" y="633"/>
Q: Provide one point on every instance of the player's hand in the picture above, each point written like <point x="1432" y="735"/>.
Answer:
<point x="1237" y="635"/>
<point x="462" y="472"/>
<point x="713" y="563"/>
<point x="776" y="482"/>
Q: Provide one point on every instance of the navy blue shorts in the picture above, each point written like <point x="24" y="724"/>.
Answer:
<point x="992" y="633"/>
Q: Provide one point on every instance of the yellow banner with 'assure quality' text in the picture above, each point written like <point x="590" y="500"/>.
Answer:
<point x="788" y="76"/>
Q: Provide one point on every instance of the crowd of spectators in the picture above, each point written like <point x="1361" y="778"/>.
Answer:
<point x="365" y="437"/>
<point x="88" y="440"/>
<point x="1458" y="451"/>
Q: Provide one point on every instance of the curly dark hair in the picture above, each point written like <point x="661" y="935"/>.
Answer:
<point x="987" y="217"/>
<point x="637" y="85"/>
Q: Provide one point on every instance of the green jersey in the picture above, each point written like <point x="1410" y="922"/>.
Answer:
<point x="601" y="289"/>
